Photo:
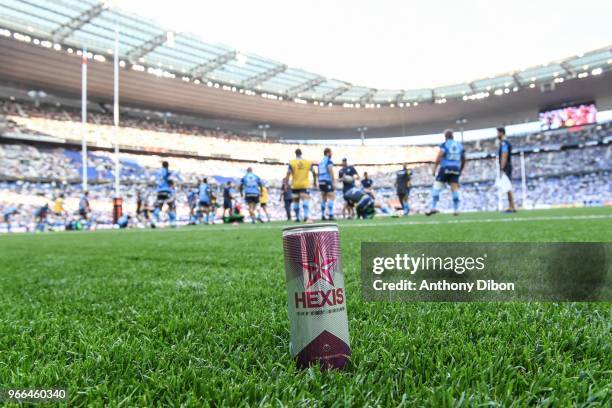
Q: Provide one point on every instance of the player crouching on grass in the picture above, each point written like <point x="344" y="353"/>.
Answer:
<point x="362" y="202"/>
<point x="504" y="182"/>
<point x="165" y="195"/>
<point x="250" y="188"/>
<point x="451" y="159"/>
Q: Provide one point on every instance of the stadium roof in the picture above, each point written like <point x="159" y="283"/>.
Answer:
<point x="91" y="23"/>
<point x="40" y="42"/>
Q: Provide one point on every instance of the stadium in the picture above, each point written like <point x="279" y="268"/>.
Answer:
<point x="152" y="183"/>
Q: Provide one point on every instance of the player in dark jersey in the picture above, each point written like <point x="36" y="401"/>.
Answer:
<point x="142" y="207"/>
<point x="347" y="175"/>
<point x="326" y="184"/>
<point x="451" y="159"/>
<point x="505" y="168"/>
<point x="403" y="184"/>
<point x="41" y="217"/>
<point x="361" y="201"/>
<point x="227" y="199"/>
<point x="286" y="196"/>
<point x="366" y="184"/>
<point x="165" y="195"/>
<point x="84" y="209"/>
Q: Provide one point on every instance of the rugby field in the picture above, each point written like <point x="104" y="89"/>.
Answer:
<point x="198" y="316"/>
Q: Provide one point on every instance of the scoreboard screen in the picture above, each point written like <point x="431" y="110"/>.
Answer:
<point x="568" y="116"/>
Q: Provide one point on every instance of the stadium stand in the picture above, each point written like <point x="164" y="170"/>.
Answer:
<point x="41" y="159"/>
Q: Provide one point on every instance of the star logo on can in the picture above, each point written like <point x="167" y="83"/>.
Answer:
<point x="318" y="268"/>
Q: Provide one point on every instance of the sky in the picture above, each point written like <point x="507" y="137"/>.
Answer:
<point x="394" y="44"/>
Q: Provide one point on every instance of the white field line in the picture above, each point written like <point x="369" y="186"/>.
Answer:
<point x="370" y="224"/>
<point x="360" y="224"/>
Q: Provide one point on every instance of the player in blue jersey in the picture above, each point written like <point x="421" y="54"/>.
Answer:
<point x="124" y="221"/>
<point x="326" y="184"/>
<point x="192" y="202"/>
<point x="403" y="183"/>
<point x="451" y="159"/>
<point x="504" y="155"/>
<point x="348" y="175"/>
<point x="204" y="200"/>
<point x="250" y="189"/>
<point x="362" y="202"/>
<point x="7" y="213"/>
<point x="165" y="195"/>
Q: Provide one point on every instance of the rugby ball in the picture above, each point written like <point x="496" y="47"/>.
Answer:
<point x="348" y="179"/>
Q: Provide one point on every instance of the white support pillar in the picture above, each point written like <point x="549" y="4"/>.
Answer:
<point x="116" y="111"/>
<point x="523" y="181"/>
<point x="84" y="119"/>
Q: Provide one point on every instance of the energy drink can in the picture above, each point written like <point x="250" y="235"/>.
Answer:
<point x="316" y="296"/>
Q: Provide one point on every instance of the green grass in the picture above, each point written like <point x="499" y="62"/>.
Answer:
<point x="198" y="316"/>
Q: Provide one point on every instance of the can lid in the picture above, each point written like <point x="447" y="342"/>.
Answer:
<point x="311" y="226"/>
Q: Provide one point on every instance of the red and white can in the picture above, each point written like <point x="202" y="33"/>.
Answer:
<point x="316" y="296"/>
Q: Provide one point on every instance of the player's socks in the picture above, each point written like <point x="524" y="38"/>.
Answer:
<point x="435" y="197"/>
<point x="155" y="216"/>
<point x="323" y="210"/>
<point x="296" y="210"/>
<point x="330" y="209"/>
<point x="456" y="199"/>
<point x="406" y="208"/>
<point x="172" y="218"/>
<point x="306" y="208"/>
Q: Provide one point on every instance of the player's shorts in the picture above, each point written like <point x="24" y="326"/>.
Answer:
<point x="508" y="172"/>
<point x="204" y="203"/>
<point x="326" y="186"/>
<point x="298" y="191"/>
<point x="227" y="204"/>
<point x="448" y="175"/>
<point x="263" y="205"/>
<point x="164" y="197"/>
<point x="83" y="213"/>
<point x="402" y="195"/>
<point x="251" y="198"/>
<point x="504" y="184"/>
